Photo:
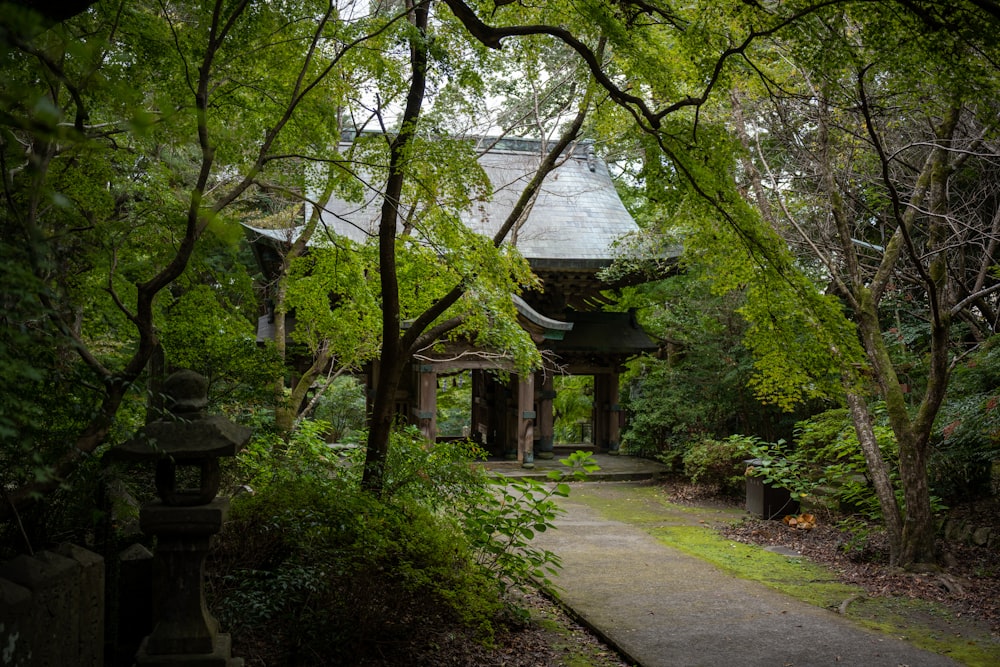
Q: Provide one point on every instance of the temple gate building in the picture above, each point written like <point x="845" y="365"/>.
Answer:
<point x="568" y="237"/>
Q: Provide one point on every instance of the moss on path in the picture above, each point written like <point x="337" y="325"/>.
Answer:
<point x="691" y="529"/>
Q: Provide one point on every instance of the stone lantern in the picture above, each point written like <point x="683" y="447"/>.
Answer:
<point x="184" y="521"/>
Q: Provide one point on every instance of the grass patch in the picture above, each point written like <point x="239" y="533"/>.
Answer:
<point x="929" y="626"/>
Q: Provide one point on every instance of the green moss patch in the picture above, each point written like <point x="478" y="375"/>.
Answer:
<point x="796" y="577"/>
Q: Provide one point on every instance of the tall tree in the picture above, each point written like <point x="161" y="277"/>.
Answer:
<point x="870" y="167"/>
<point x="127" y="133"/>
<point x="428" y="324"/>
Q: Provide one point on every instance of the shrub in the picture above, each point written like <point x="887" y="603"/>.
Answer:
<point x="777" y="466"/>
<point x="437" y="474"/>
<point x="342" y="406"/>
<point x="271" y="460"/>
<point x="503" y="518"/>
<point x="718" y="462"/>
<point x="827" y="456"/>
<point x="312" y="571"/>
<point x="316" y="572"/>
<point x="827" y="447"/>
<point x="967" y="433"/>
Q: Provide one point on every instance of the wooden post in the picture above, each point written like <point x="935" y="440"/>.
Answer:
<point x="615" y="413"/>
<point x="505" y="413"/>
<point x="427" y="402"/>
<point x="601" y="414"/>
<point x="526" y="420"/>
<point x="546" y="418"/>
<point x="480" y="410"/>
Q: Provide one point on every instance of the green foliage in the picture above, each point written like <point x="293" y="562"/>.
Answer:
<point x="201" y="332"/>
<point x="572" y="406"/>
<point x="801" y="340"/>
<point x="719" y="463"/>
<point x="776" y="466"/>
<point x="117" y="181"/>
<point x="826" y="461"/>
<point x="503" y="518"/>
<point x="335" y="304"/>
<point x="329" y="574"/>
<point x="270" y="459"/>
<point x="436" y="474"/>
<point x="967" y="432"/>
<point x="828" y="445"/>
<point x="700" y="388"/>
<point x="314" y="562"/>
<point x="37" y="371"/>
<point x="310" y="562"/>
<point x="342" y="406"/>
<point x="454" y="399"/>
<point x="797" y="337"/>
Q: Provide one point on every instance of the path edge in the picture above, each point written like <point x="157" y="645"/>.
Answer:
<point x="552" y="595"/>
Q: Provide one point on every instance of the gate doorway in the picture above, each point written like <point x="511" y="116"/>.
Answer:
<point x="573" y="406"/>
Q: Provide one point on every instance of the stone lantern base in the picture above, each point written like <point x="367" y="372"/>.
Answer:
<point x="185" y="634"/>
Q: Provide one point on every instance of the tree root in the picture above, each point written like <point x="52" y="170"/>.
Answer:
<point x="951" y="584"/>
<point x="842" y="609"/>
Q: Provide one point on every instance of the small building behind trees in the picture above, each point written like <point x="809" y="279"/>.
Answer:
<point x="569" y="236"/>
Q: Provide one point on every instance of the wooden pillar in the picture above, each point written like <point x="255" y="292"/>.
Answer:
<point x="601" y="414"/>
<point x="615" y="413"/>
<point x="426" y="412"/>
<point x="480" y="411"/>
<point x="526" y="420"/>
<point x="505" y="414"/>
<point x="546" y="418"/>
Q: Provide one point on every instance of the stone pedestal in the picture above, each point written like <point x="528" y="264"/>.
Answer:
<point x="183" y="624"/>
<point x="184" y="631"/>
<point x="135" y="602"/>
<point x="219" y="657"/>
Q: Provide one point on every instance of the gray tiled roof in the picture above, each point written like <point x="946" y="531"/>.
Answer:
<point x="577" y="215"/>
<point x="575" y="220"/>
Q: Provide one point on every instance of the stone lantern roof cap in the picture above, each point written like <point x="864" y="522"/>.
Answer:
<point x="202" y="438"/>
<point x="185" y="433"/>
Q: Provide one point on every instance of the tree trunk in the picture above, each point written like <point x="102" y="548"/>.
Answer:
<point x="918" y="524"/>
<point x="393" y="357"/>
<point x="397" y="349"/>
<point x="281" y="405"/>
<point x="879" y="473"/>
<point x="917" y="544"/>
<point x="382" y="419"/>
<point x="287" y="411"/>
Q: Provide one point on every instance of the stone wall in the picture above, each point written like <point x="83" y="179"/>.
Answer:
<point x="52" y="609"/>
<point x="970" y="532"/>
